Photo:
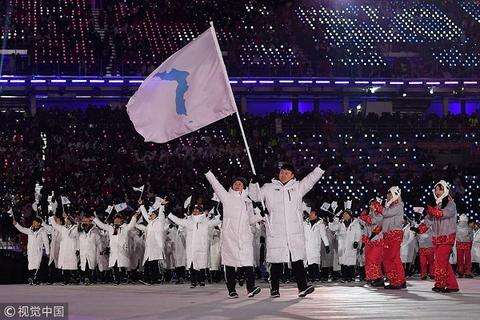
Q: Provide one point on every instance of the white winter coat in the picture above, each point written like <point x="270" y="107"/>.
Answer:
<point x="314" y="235"/>
<point x="90" y="245"/>
<point x="238" y="217"/>
<point x="55" y="238"/>
<point x="347" y="236"/>
<point x="67" y="255"/>
<point x="476" y="247"/>
<point x="37" y="244"/>
<point x="120" y="243"/>
<point x="215" y="257"/>
<point x="284" y="224"/>
<point x="102" y="256"/>
<point x="407" y="248"/>
<point x="197" y="244"/>
<point x="154" y="235"/>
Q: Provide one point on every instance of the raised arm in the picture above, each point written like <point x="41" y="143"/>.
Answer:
<point x="256" y="193"/>
<point x="307" y="183"/>
<point x="103" y="226"/>
<point x="48" y="228"/>
<point x="177" y="220"/>
<point x="144" y="213"/>
<point x="23" y="230"/>
<point x="141" y="227"/>
<point x="132" y="223"/>
<point x="214" y="222"/>
<point x="393" y="211"/>
<point x="217" y="187"/>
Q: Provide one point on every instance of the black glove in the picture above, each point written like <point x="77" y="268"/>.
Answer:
<point x="414" y="229"/>
<point x="361" y="250"/>
<point x="372" y="236"/>
<point x="355" y="245"/>
<point x="330" y="218"/>
<point x="327" y="249"/>
<point x="77" y="253"/>
<point x="254" y="178"/>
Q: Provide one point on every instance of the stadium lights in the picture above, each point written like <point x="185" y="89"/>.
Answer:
<point x="58" y="81"/>
<point x="38" y="81"/>
<point x="79" y="81"/>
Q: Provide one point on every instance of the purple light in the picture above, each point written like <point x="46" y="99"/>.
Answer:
<point x="3" y="81"/>
<point x="378" y="82"/>
<point x="415" y="82"/>
<point x="79" y="81"/>
<point x="305" y="81"/>
<point x="135" y="81"/>
<point x="115" y="81"/>
<point x="322" y="81"/>
<point x="285" y="81"/>
<point x="397" y="82"/>
<point x="342" y="82"/>
<point x="96" y="81"/>
<point x="233" y="81"/>
<point x="362" y="82"/>
<point x="38" y="81"/>
<point x="58" y="81"/>
<point x="249" y="81"/>
<point x="266" y="81"/>
<point x="451" y="82"/>
<point x="17" y="81"/>
<point x="470" y="82"/>
<point x="432" y="82"/>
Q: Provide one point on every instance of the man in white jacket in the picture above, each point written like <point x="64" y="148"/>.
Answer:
<point x="119" y="258"/>
<point x="67" y="255"/>
<point x="37" y="245"/>
<point x="315" y="234"/>
<point x="154" y="241"/>
<point x="89" y="243"/>
<point x="284" y="224"/>
<point x="236" y="237"/>
<point x="197" y="229"/>
<point x="349" y="237"/>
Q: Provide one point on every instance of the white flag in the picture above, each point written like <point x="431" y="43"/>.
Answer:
<point x="10" y="212"/>
<point x="189" y="90"/>
<point x="418" y="209"/>
<point x="139" y="189"/>
<point x="120" y="207"/>
<point x="187" y="202"/>
<point x="334" y="206"/>
<point x="64" y="200"/>
<point x="325" y="206"/>
<point x="215" y="197"/>
<point x="35" y="206"/>
<point x="348" y="204"/>
<point x="109" y="209"/>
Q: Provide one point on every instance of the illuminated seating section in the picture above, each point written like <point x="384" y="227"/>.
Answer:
<point x="55" y="32"/>
<point x="363" y="35"/>
<point x="353" y="38"/>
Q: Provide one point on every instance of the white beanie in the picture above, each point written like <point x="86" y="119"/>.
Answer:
<point x="463" y="218"/>
<point x="396" y="193"/>
<point x="446" y="191"/>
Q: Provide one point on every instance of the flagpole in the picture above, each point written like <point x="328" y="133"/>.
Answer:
<point x="232" y="98"/>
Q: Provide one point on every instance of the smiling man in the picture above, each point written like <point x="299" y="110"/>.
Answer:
<point x="285" y="231"/>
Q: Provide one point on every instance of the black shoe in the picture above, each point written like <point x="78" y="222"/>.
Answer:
<point x="460" y="276"/>
<point x="378" y="283"/>
<point x="274" y="294"/>
<point x="469" y="276"/>
<point x="30" y="281"/>
<point x="307" y="291"/>
<point x="179" y="281"/>
<point x="233" y="295"/>
<point x="437" y="289"/>
<point x="424" y="278"/>
<point x="87" y="282"/>
<point x="193" y="285"/>
<point x="392" y="287"/>
<point x="255" y="291"/>
<point x="201" y="284"/>
<point x="240" y="282"/>
<point x="447" y="290"/>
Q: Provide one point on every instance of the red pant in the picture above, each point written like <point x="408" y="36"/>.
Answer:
<point x="373" y="260"/>
<point x="444" y="276"/>
<point x="392" y="263"/>
<point x="464" y="258"/>
<point x="427" y="258"/>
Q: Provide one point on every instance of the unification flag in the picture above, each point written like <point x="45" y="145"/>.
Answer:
<point x="189" y="90"/>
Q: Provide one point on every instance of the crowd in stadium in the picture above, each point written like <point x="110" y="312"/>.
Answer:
<point x="95" y="159"/>
<point x="329" y="38"/>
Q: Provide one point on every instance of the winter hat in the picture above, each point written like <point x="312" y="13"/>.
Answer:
<point x="396" y="193"/>
<point x="289" y="167"/>
<point x="446" y="191"/>
<point x="463" y="218"/>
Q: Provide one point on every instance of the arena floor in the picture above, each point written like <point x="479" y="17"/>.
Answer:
<point x="329" y="301"/>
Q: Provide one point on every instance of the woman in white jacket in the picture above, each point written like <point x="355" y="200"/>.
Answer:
<point x="37" y="245"/>
<point x="284" y="224"/>
<point x="407" y="248"/>
<point x="119" y="258"/>
<point x="315" y="234"/>
<point x="197" y="229"/>
<point x="154" y="241"/>
<point x="55" y="238"/>
<point x="67" y="255"/>
<point x="349" y="237"/>
<point x="237" y="236"/>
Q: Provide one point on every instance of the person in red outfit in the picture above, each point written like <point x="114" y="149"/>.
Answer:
<point x="373" y="241"/>
<point x="392" y="226"/>
<point x="464" y="247"/>
<point x="442" y="218"/>
<point x="425" y="251"/>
